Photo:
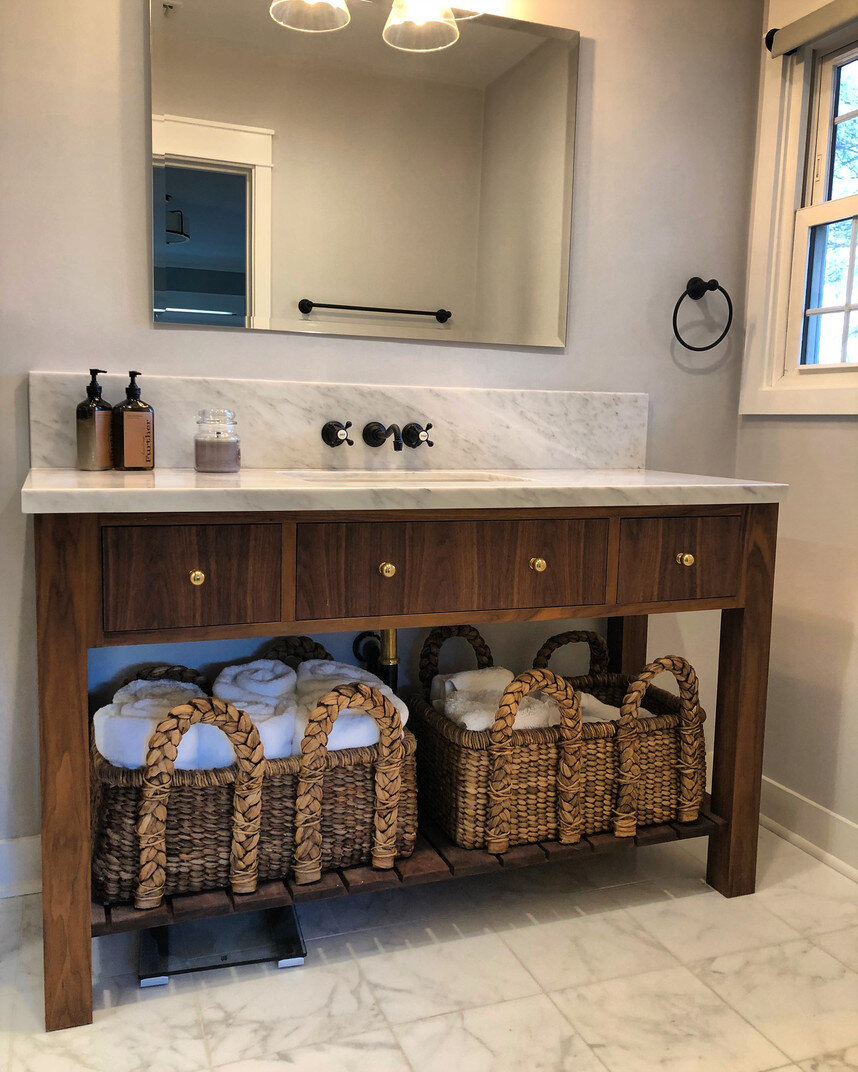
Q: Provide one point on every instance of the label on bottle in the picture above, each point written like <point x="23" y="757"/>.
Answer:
<point x="103" y="447"/>
<point x="138" y="440"/>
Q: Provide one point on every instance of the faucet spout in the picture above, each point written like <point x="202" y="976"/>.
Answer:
<point x="395" y="431"/>
<point x="376" y="435"/>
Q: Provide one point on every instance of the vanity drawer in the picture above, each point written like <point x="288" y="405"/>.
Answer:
<point x="649" y="571"/>
<point x="147" y="570"/>
<point x="447" y="566"/>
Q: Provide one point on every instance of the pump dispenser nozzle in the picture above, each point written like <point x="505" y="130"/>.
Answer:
<point x="132" y="390"/>
<point x="93" y="388"/>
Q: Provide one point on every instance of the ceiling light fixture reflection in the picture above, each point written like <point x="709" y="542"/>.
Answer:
<point x="420" y="26"/>
<point x="311" y="16"/>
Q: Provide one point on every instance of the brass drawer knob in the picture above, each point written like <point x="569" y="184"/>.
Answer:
<point x="197" y="577"/>
<point x="387" y="569"/>
<point x="538" y="565"/>
<point x="684" y="559"/>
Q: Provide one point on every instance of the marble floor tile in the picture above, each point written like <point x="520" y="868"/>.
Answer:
<point x="841" y="944"/>
<point x="528" y="1033"/>
<point x="809" y="896"/>
<point x="164" y="1035"/>
<point x="666" y="1021"/>
<point x="669" y="865"/>
<point x="796" y="994"/>
<point x="286" y="1010"/>
<point x="842" y="1061"/>
<point x="588" y="949"/>
<point x="415" y="983"/>
<point x="377" y="1051"/>
<point x="693" y="928"/>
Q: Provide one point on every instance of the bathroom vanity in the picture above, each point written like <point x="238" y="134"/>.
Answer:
<point x="532" y="505"/>
<point x="118" y="563"/>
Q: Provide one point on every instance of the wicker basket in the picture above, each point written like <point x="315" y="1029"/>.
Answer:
<point x="158" y="831"/>
<point x="646" y="768"/>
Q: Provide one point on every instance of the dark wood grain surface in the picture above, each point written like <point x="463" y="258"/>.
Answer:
<point x="147" y="583"/>
<point x="649" y="571"/>
<point x="444" y="566"/>
<point x="67" y="593"/>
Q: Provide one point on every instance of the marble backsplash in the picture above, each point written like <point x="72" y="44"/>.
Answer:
<point x="280" y="423"/>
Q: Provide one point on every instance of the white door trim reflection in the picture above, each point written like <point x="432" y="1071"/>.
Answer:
<point x="181" y="140"/>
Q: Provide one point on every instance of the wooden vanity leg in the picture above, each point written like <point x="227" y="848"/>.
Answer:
<point x="627" y="644"/>
<point x="67" y="585"/>
<point x="743" y="673"/>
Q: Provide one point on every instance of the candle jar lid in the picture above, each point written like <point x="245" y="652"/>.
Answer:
<point x="216" y="416"/>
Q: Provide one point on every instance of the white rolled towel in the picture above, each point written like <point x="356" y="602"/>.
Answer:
<point x="352" y="728"/>
<point x="257" y="687"/>
<point x="491" y="679"/>
<point x="122" y="729"/>
<point x="276" y="732"/>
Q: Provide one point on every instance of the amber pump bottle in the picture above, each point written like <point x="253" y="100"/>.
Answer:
<point x="93" y="427"/>
<point x="133" y="430"/>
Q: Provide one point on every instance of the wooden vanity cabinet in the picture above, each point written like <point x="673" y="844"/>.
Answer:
<point x="343" y="569"/>
<point x="138" y="578"/>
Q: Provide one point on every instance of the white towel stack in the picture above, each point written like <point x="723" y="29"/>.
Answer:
<point x="123" y="728"/>
<point x="265" y="690"/>
<point x="471" y="699"/>
<point x="353" y="728"/>
<point x="278" y="700"/>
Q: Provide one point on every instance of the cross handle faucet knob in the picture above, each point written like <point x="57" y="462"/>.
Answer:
<point x="413" y="435"/>
<point x="335" y="433"/>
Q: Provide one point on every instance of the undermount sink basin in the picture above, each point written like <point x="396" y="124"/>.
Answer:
<point x="399" y="476"/>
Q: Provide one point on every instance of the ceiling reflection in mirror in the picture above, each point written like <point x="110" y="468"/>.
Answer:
<point x="362" y="167"/>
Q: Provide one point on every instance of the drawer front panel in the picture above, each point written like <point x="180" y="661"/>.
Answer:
<point x="650" y="573"/>
<point x="147" y="585"/>
<point x="447" y="566"/>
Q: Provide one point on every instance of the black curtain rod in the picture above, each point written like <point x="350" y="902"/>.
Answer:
<point x="441" y="315"/>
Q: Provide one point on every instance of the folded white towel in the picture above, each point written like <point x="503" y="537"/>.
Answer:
<point x="123" y="729"/>
<point x="256" y="687"/>
<point x="471" y="700"/>
<point x="491" y="679"/>
<point x="593" y="710"/>
<point x="352" y="728"/>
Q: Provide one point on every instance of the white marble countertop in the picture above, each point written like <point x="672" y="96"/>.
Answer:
<point x="69" y="491"/>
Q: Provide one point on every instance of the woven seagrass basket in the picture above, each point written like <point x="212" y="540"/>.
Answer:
<point x="647" y="767"/>
<point x="158" y="831"/>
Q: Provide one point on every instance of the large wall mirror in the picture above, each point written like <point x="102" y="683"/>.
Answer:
<point x="362" y="167"/>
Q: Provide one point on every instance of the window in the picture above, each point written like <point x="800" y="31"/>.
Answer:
<point x="823" y="308"/>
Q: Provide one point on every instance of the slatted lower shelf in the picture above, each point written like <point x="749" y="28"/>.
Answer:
<point x="435" y="859"/>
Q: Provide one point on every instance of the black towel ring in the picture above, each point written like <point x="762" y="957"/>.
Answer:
<point x="695" y="290"/>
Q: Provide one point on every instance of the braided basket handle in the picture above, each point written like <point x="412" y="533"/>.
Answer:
<point x="569" y="820"/>
<point x="432" y="649"/>
<point x="596" y="643"/>
<point x="297" y="648"/>
<point x="157" y="782"/>
<point x="167" y="672"/>
<point x="692" y="752"/>
<point x="307" y="858"/>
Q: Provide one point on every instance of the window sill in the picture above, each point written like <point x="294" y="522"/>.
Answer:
<point x="817" y="392"/>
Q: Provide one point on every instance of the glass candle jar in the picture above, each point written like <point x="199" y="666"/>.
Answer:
<point x="217" y="446"/>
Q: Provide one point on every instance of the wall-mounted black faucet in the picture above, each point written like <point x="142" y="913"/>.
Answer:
<point x="335" y="433"/>
<point x="375" y="435"/>
<point x="413" y="435"/>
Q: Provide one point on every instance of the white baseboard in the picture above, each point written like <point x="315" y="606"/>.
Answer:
<point x="823" y="834"/>
<point x="20" y="866"/>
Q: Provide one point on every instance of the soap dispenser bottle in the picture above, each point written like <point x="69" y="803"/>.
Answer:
<point x="133" y="430"/>
<point x="93" y="426"/>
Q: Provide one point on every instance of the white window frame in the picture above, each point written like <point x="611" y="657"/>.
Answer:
<point x="184" y="141"/>
<point x="773" y="380"/>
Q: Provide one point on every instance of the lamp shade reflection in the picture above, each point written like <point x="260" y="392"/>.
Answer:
<point x="420" y="26"/>
<point x="311" y="16"/>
